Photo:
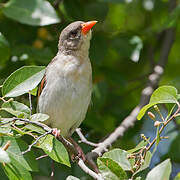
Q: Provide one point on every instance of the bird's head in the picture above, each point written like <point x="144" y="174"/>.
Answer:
<point x="76" y="36"/>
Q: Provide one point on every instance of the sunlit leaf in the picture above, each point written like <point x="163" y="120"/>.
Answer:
<point x="54" y="149"/>
<point x="4" y="157"/>
<point x="36" y="13"/>
<point x="139" y="146"/>
<point x="120" y="157"/>
<point x="164" y="94"/>
<point x="17" y="146"/>
<point x="46" y="143"/>
<point x="177" y="176"/>
<point x="162" y="171"/>
<point x="39" y="117"/>
<point x="22" y="80"/>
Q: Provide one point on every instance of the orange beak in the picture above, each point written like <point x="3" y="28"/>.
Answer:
<point x="87" y="26"/>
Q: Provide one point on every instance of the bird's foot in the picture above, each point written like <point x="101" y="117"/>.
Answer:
<point x="56" y="132"/>
<point x="80" y="153"/>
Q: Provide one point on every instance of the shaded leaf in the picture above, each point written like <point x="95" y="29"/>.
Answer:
<point x="162" y="171"/>
<point x="36" y="13"/>
<point x="16" y="108"/>
<point x="4" y="49"/>
<point x="110" y="169"/>
<point x="34" y="128"/>
<point x="22" y="80"/>
<point x="15" y="171"/>
<point x="164" y="94"/>
<point x="172" y="19"/>
<point x="175" y="149"/>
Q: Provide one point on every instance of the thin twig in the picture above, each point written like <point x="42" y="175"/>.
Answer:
<point x="163" y="126"/>
<point x="84" y="140"/>
<point x="35" y="142"/>
<point x="30" y="103"/>
<point x="43" y="156"/>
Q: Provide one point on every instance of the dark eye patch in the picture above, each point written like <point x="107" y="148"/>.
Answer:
<point x="73" y="33"/>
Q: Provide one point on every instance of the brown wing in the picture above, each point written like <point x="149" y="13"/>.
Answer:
<point x="42" y="85"/>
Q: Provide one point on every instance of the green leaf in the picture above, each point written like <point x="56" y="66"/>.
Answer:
<point x="15" y="108"/>
<point x="139" y="146"/>
<point x="170" y="108"/>
<point x="157" y="136"/>
<point x="34" y="91"/>
<point x="34" y="128"/>
<point x="33" y="12"/>
<point x="17" y="146"/>
<point x="172" y="19"/>
<point x="72" y="178"/>
<point x="110" y="169"/>
<point x="4" y="49"/>
<point x="46" y="143"/>
<point x="120" y="157"/>
<point x="138" y="178"/>
<point x="146" y="162"/>
<point x="162" y="171"/>
<point x="22" y="80"/>
<point x="4" y="157"/>
<point x="15" y="171"/>
<point x="54" y="149"/>
<point x="164" y="94"/>
<point x="59" y="153"/>
<point x="177" y="176"/>
<point x="39" y="117"/>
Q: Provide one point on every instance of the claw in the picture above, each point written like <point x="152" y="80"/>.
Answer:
<point x="56" y="132"/>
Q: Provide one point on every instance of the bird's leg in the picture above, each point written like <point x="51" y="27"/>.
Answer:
<point x="78" y="148"/>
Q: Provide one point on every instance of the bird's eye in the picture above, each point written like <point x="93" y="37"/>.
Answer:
<point x="73" y="34"/>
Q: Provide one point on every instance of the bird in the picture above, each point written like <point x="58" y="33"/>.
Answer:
<point x="66" y="88"/>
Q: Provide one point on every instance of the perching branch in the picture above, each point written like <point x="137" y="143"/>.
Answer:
<point x="152" y="83"/>
<point x="84" y="140"/>
<point x="66" y="143"/>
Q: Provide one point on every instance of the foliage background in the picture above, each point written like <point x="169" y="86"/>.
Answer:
<point x="125" y="45"/>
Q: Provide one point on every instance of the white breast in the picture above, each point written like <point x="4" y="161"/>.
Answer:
<point x="67" y="93"/>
